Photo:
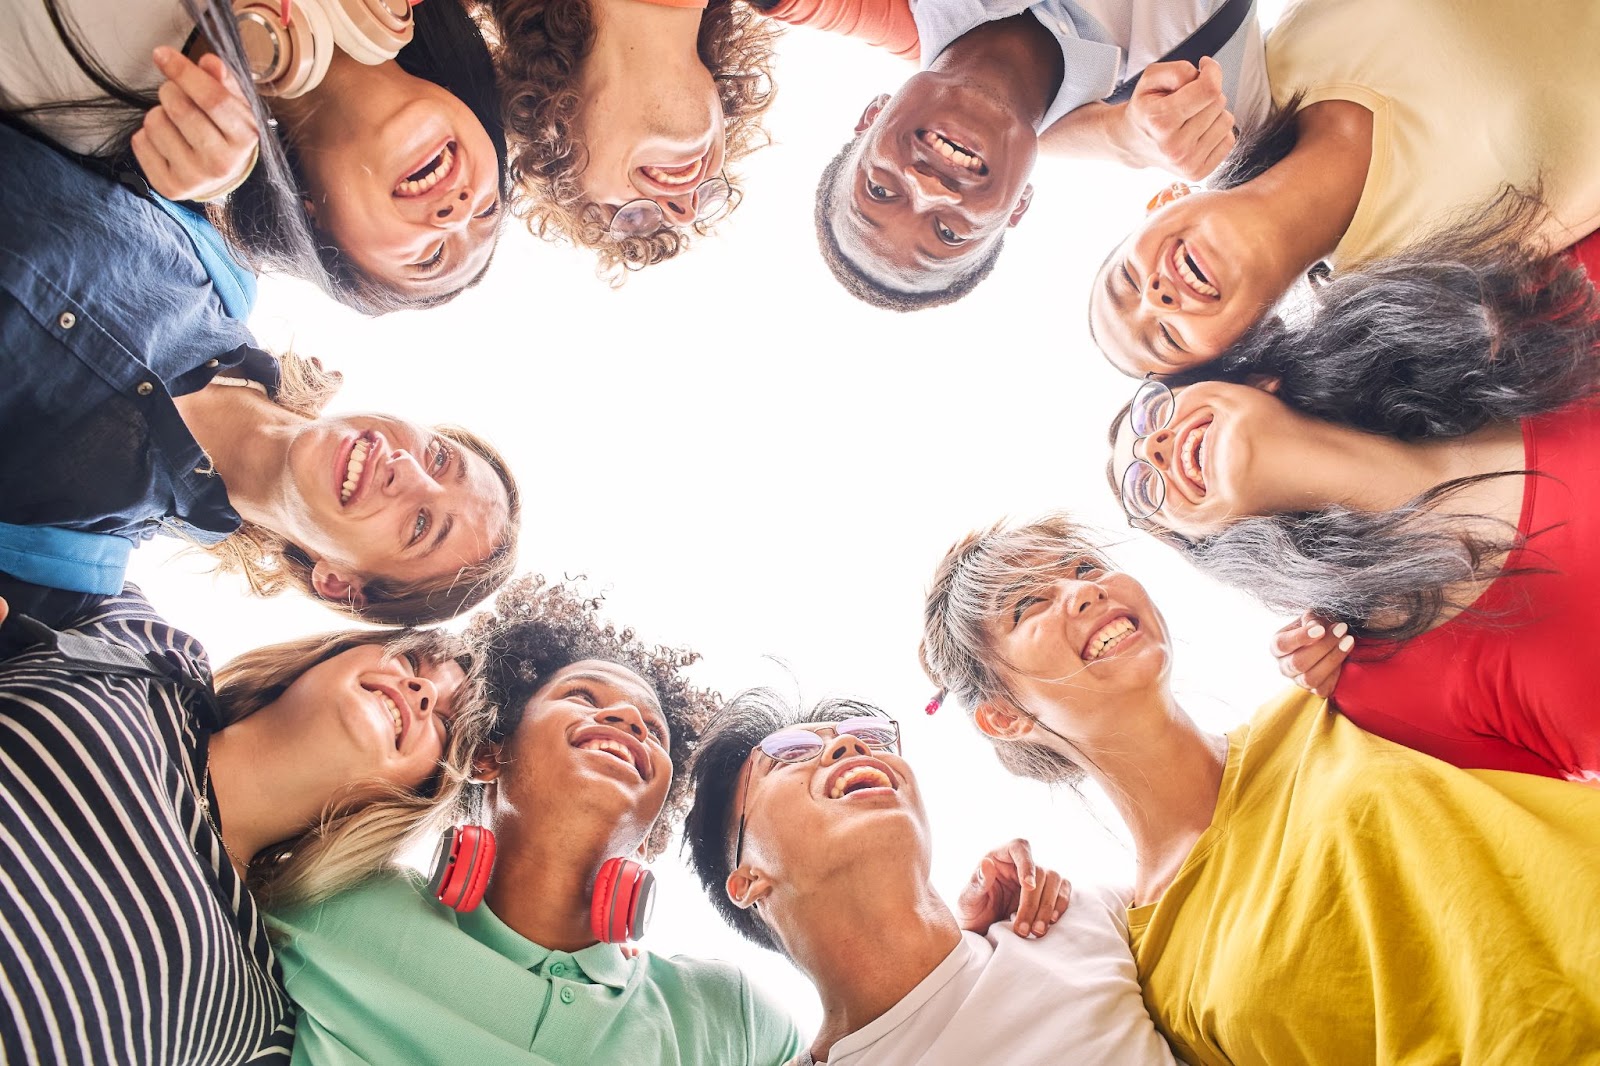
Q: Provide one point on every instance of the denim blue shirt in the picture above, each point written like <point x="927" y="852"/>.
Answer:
<point x="1093" y="57"/>
<point x="106" y="314"/>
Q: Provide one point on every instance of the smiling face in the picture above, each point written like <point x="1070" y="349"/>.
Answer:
<point x="1073" y="634"/>
<point x="840" y="820"/>
<point x="1230" y="452"/>
<point x="1187" y="284"/>
<point x="405" y="180"/>
<point x="592" y="741"/>
<point x="373" y="497"/>
<point x="363" y="716"/>
<point x="938" y="173"/>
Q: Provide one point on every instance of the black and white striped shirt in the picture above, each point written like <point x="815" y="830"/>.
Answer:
<point x="125" y="934"/>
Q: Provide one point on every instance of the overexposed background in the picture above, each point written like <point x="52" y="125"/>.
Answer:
<point x="749" y="462"/>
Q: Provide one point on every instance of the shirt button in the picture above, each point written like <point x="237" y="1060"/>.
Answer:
<point x="67" y="320"/>
<point x="145" y="388"/>
<point x="210" y="363"/>
<point x="559" y="968"/>
<point x="566" y="995"/>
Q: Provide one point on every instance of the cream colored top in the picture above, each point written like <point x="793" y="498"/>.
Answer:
<point x="1467" y="96"/>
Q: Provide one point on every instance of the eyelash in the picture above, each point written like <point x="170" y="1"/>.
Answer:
<point x="594" y="701"/>
<point x="878" y="192"/>
<point x="1022" y="605"/>
<point x="419" y="529"/>
<point x="444" y="456"/>
<point x="433" y="260"/>
<point x="940" y="230"/>
<point x="490" y="211"/>
<point x="1168" y="338"/>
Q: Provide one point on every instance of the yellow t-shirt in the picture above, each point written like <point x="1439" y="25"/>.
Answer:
<point x="1467" y="96"/>
<point x="1354" y="901"/>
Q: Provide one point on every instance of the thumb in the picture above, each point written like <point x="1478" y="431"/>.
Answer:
<point x="1167" y="77"/>
<point x="1210" y="72"/>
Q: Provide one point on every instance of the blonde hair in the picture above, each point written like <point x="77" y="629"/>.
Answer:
<point x="270" y="563"/>
<point x="979" y="574"/>
<point x="359" y="832"/>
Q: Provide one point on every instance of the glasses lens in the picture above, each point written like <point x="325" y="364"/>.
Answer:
<point x="1151" y="410"/>
<point x="792" y="745"/>
<point x="712" y="200"/>
<point x="1143" y="491"/>
<point x="637" y="218"/>
<point x="877" y="733"/>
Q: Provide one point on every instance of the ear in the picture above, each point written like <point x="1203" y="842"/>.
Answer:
<point x="1023" y="203"/>
<point x="999" y="722"/>
<point x="1265" y="382"/>
<point x="748" y="886"/>
<point x="870" y="115"/>
<point x="336" y="585"/>
<point x="486" y="764"/>
<point x="310" y="208"/>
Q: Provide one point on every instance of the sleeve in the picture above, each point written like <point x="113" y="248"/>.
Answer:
<point x="774" y="1039"/>
<point x="56" y="608"/>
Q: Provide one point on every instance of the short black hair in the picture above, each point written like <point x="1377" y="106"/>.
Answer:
<point x="536" y="629"/>
<point x="745" y="721"/>
<point x="868" y="289"/>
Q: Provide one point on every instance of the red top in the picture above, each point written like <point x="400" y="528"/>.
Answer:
<point x="1512" y="686"/>
<point x="884" y="23"/>
<point x="1588" y="253"/>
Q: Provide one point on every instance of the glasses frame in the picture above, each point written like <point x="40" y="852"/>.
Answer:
<point x="1146" y="387"/>
<point x="893" y="747"/>
<point x="700" y="215"/>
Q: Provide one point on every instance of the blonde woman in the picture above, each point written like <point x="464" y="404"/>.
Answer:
<point x="135" y="404"/>
<point x="1305" y="892"/>
<point x="149" y="815"/>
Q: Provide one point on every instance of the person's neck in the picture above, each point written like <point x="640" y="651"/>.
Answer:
<point x="247" y="438"/>
<point x="1015" y="60"/>
<point x="262" y="795"/>
<point x="1161" y="771"/>
<point x="1338" y="465"/>
<point x="315" y="116"/>
<point x="866" y="953"/>
<point x="648" y="32"/>
<point x="1311" y="195"/>
<point x="542" y="886"/>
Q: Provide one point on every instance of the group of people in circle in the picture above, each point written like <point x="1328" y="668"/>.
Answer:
<point x="1363" y="368"/>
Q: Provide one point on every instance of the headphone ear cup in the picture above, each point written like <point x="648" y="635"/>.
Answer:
<point x="461" y="867"/>
<point x="624" y="898"/>
<point x="285" y="60"/>
<point x="371" y="31"/>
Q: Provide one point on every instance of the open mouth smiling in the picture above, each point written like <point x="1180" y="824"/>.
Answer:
<point x="615" y="744"/>
<point x="1191" y="449"/>
<point x="438" y="168"/>
<point x="953" y="152"/>
<point x="391" y="702"/>
<point x="353" y="471"/>
<point x="856" y="777"/>
<point x="1109" y="638"/>
<point x="1187" y="270"/>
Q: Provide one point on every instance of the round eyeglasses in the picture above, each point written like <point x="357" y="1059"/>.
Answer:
<point x="641" y="218"/>
<point x="1144" y="490"/>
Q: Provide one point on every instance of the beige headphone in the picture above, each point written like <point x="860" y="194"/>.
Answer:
<point x="289" y="43"/>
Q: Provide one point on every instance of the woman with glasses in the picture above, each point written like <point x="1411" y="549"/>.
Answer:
<point x="1463" y="560"/>
<point x="1305" y="892"/>
<point x="584" y="771"/>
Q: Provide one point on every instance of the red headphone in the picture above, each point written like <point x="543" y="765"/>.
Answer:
<point x="624" y="891"/>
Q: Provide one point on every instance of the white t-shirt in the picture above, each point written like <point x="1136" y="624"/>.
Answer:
<point x="36" y="68"/>
<point x="1070" y="996"/>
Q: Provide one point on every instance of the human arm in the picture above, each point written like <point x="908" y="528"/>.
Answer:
<point x="200" y="142"/>
<point x="1177" y="120"/>
<point x="1311" y="652"/>
<point x="1007" y="882"/>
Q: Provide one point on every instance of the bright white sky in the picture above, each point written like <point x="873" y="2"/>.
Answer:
<point x="751" y="463"/>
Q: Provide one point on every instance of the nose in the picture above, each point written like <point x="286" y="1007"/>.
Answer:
<point x="1159" y="295"/>
<point x="1156" y="449"/>
<point x="1079" y="596"/>
<point x="421" y="694"/>
<point x="455" y="209"/>
<point x="927" y="189"/>
<point x="403" y="473"/>
<point x="843" y="747"/>
<point x="623" y="716"/>
<point x="678" y="210"/>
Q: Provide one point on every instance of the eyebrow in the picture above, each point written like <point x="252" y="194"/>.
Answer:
<point x="606" y="679"/>
<point x="445" y="527"/>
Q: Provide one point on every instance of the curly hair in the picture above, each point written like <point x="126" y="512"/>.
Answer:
<point x="863" y="286"/>
<point x="360" y="831"/>
<point x="718" y="766"/>
<point x="969" y="584"/>
<point x="535" y="629"/>
<point x="270" y="563"/>
<point x="540" y="63"/>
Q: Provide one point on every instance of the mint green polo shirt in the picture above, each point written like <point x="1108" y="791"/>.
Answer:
<point x="383" y="975"/>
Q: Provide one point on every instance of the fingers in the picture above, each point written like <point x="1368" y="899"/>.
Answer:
<point x="1162" y="78"/>
<point x="1179" y="118"/>
<point x="202" y="138"/>
<point x="1297" y="634"/>
<point x="977" y="907"/>
<point x="1040" y="906"/>
<point x="5" y="609"/>
<point x="1312" y="654"/>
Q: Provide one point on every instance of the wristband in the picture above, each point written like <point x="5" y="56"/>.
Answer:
<point x="255" y="157"/>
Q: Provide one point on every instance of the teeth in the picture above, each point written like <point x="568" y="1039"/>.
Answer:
<point x="673" y="175"/>
<point x="433" y="175"/>
<point x="859" y="777"/>
<point x="1110" y="635"/>
<point x="610" y="747"/>
<point x="1187" y="272"/>
<point x="951" y="151"/>
<point x="352" y="473"/>
<point x="1193" y="462"/>
<point x="394" y="712"/>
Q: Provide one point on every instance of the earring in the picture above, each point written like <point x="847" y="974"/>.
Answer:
<point x="1176" y="191"/>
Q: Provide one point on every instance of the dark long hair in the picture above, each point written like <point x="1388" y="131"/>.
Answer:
<point x="265" y="219"/>
<point x="1471" y="326"/>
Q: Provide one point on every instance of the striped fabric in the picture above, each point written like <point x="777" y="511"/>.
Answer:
<point x="125" y="934"/>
